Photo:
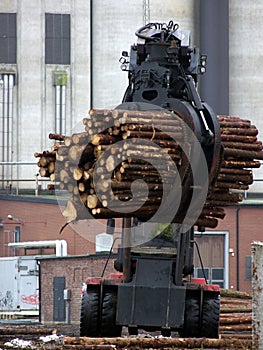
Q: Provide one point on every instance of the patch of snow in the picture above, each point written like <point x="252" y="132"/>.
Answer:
<point x="18" y="343"/>
<point x="48" y="338"/>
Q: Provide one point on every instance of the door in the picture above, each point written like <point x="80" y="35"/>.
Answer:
<point x="59" y="284"/>
<point x="214" y="252"/>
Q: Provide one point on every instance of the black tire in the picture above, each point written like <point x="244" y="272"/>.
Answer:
<point x="191" y="326"/>
<point x="210" y="317"/>
<point x="133" y="330"/>
<point x="166" y="332"/>
<point x="89" y="319"/>
<point x="108" y="316"/>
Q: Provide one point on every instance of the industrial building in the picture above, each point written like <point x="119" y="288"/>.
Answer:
<point x="59" y="59"/>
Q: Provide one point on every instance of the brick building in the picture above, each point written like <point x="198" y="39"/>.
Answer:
<point x="228" y="245"/>
<point x="57" y="274"/>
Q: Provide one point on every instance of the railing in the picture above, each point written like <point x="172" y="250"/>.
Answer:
<point x="7" y="184"/>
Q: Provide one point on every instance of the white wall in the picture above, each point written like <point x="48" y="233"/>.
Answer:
<point x="245" y="65"/>
<point x="114" y="26"/>
<point x="114" y="32"/>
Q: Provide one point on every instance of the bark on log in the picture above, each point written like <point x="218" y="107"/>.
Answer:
<point x="229" y="293"/>
<point x="58" y="137"/>
<point x="159" y="343"/>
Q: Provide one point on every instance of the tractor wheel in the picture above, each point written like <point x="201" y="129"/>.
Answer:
<point x="89" y="319"/>
<point x="108" y="316"/>
<point x="210" y="317"/>
<point x="133" y="330"/>
<point x="191" y="326"/>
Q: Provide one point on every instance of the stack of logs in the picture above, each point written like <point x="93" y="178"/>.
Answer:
<point x="235" y="314"/>
<point x="110" y="145"/>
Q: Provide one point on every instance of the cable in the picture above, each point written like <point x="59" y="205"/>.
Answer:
<point x="109" y="255"/>
<point x="201" y="261"/>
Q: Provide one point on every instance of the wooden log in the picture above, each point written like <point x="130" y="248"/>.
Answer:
<point x="214" y="213"/>
<point x="234" y="171"/>
<point x="51" y="167"/>
<point x="239" y="164"/>
<point x="252" y="131"/>
<point x="229" y="293"/>
<point x="152" y="135"/>
<point x="80" y="138"/>
<point x="238" y="138"/>
<point x="235" y="320"/>
<point x="58" y="137"/>
<point x="243" y="153"/>
<point x="236" y="328"/>
<point x="240" y="309"/>
<point x="230" y="118"/>
<point x="226" y="123"/>
<point x="232" y="185"/>
<point x="159" y="343"/>
<point x="225" y="196"/>
<point x="87" y="155"/>
<point x="101" y="139"/>
<point x="256" y="146"/>
<point x="206" y="222"/>
<point x="246" y="179"/>
<point x="43" y="172"/>
<point x="92" y="201"/>
<point x="151" y="128"/>
<point x="77" y="173"/>
<point x="75" y="153"/>
<point x="68" y="141"/>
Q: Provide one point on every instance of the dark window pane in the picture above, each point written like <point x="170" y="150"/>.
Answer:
<point x="12" y="25"/>
<point x="49" y="26"/>
<point x="57" y="49"/>
<point x="4" y="25"/>
<point x="248" y="267"/>
<point x="3" y="50"/>
<point x="66" y="27"/>
<point x="7" y="38"/>
<point x="221" y="284"/>
<point x="48" y="51"/>
<point x="12" y="50"/>
<point x="200" y="273"/>
<point x="57" y="26"/>
<point x="65" y="51"/>
<point x="217" y="274"/>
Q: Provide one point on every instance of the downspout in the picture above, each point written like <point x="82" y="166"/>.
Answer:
<point x="10" y="120"/>
<point x="63" y="110"/>
<point x="39" y="291"/>
<point x="237" y="248"/>
<point x="91" y="54"/>
<point x="5" y="118"/>
<point x="57" y="116"/>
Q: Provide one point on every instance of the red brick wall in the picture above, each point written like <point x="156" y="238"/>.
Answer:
<point x="75" y="270"/>
<point x="250" y="220"/>
<point x="43" y="221"/>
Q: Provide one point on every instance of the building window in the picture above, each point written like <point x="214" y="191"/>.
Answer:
<point x="7" y="38"/>
<point x="57" y="41"/>
<point x="248" y="268"/>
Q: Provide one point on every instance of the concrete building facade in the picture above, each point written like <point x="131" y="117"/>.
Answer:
<point x="39" y="96"/>
<point x="59" y="59"/>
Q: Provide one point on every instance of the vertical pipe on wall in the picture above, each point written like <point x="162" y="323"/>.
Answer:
<point x="214" y="41"/>
<point x="5" y="118"/>
<point x="2" y="121"/>
<point x="63" y="110"/>
<point x="91" y="54"/>
<point x="57" y="108"/>
<point x="10" y="120"/>
<point x="237" y="248"/>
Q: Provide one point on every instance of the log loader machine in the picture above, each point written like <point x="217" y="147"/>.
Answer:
<point x="154" y="288"/>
